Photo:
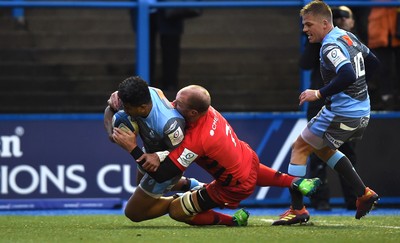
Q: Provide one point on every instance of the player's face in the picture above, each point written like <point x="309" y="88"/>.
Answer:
<point x="180" y="103"/>
<point x="133" y="111"/>
<point x="314" y="27"/>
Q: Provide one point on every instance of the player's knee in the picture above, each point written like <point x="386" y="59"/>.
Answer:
<point x="133" y="215"/>
<point x="173" y="213"/>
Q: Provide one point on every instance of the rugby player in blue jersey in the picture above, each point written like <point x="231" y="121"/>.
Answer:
<point x="161" y="128"/>
<point x="346" y="65"/>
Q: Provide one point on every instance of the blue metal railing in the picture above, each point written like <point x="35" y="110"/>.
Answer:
<point x="144" y="6"/>
<point x="186" y="4"/>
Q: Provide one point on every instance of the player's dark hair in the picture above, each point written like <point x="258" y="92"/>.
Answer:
<point x="134" y="91"/>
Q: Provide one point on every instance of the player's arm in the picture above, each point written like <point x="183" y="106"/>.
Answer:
<point x="163" y="172"/>
<point x="127" y="140"/>
<point x="334" y="57"/>
<point x="114" y="104"/>
<point x="345" y="76"/>
<point x="371" y="65"/>
<point x="108" y="114"/>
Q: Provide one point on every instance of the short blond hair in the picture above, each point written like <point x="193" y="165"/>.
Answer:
<point x="319" y="8"/>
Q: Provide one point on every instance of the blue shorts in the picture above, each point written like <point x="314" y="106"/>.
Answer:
<point x="328" y="129"/>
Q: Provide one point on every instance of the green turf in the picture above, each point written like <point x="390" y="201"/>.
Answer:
<point x="114" y="228"/>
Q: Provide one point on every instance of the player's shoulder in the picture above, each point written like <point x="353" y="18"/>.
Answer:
<point x="214" y="124"/>
<point x="332" y="38"/>
<point x="158" y="96"/>
<point x="173" y="124"/>
<point x="174" y="129"/>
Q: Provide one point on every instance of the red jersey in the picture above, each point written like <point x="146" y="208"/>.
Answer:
<point x="213" y="145"/>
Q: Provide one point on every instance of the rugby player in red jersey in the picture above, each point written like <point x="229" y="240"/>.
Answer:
<point x="211" y="143"/>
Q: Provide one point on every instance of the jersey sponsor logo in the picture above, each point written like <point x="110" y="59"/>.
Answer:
<point x="346" y="128"/>
<point x="328" y="48"/>
<point x="336" y="57"/>
<point x="152" y="135"/>
<point x="335" y="142"/>
<point x="187" y="157"/>
<point x="364" y="121"/>
<point x="172" y="127"/>
<point x="348" y="40"/>
<point x="214" y="125"/>
<point x="176" y="137"/>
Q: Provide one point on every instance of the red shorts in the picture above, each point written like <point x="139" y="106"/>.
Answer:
<point x="231" y="196"/>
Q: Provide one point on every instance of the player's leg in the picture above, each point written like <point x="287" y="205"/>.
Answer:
<point x="349" y="195"/>
<point x="317" y="168"/>
<point x="195" y="208"/>
<point x="366" y="198"/>
<point x="309" y="140"/>
<point x="147" y="201"/>
<point x="298" y="167"/>
<point x="187" y="209"/>
<point x="342" y="165"/>
<point x="270" y="177"/>
<point x="349" y="129"/>
<point x="297" y="213"/>
<point x="142" y="206"/>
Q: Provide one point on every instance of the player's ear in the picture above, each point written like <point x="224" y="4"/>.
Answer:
<point x="325" y="23"/>
<point x="143" y="108"/>
<point x="193" y="112"/>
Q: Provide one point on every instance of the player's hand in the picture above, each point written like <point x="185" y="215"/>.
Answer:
<point x="125" y="139"/>
<point x="151" y="162"/>
<point x="114" y="101"/>
<point x="309" y="95"/>
<point x="108" y="114"/>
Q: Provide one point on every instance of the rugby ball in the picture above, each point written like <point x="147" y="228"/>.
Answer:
<point x="124" y="122"/>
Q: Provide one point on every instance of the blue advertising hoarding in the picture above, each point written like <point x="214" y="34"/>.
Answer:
<point x="67" y="161"/>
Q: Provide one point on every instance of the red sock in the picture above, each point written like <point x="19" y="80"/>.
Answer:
<point x="271" y="177"/>
<point x="211" y="217"/>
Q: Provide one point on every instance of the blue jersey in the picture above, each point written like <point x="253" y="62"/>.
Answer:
<point x="163" y="128"/>
<point x="338" y="48"/>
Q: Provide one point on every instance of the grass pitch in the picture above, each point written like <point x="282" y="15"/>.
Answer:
<point x="117" y="228"/>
